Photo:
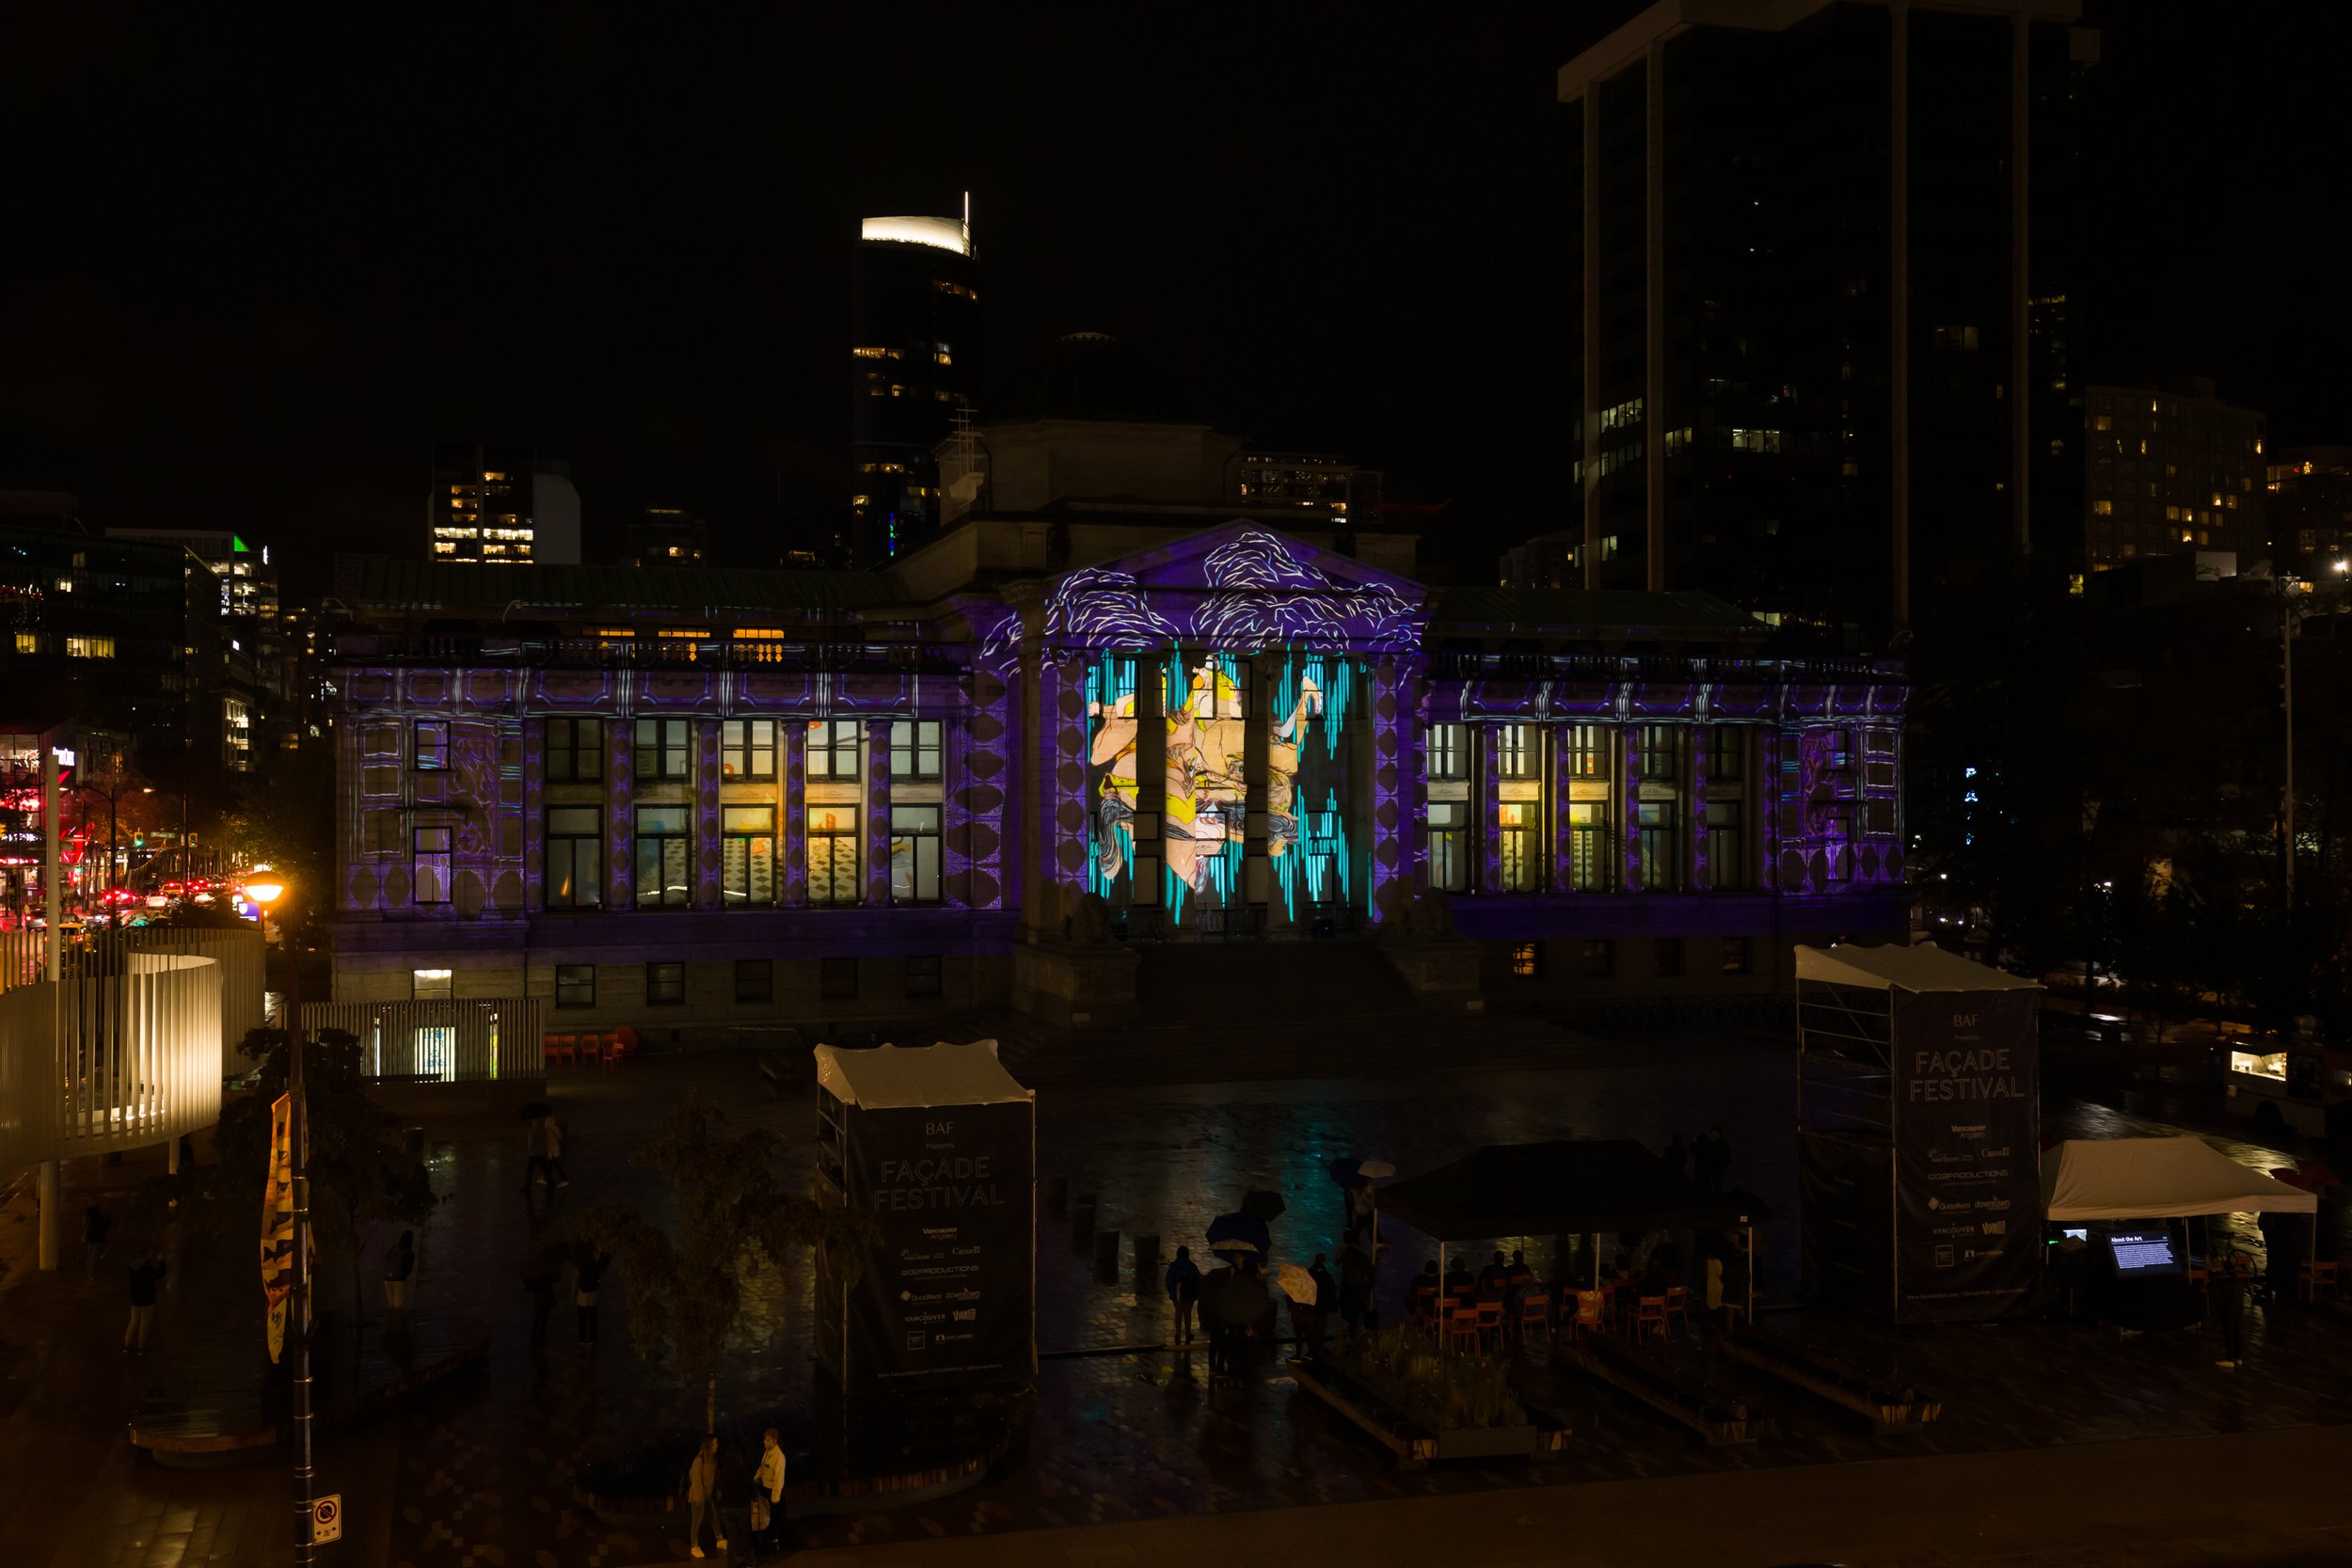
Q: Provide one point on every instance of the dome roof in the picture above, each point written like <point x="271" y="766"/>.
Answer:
<point x="1092" y="375"/>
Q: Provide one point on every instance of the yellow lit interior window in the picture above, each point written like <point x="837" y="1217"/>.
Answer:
<point x="686" y="631"/>
<point x="2103" y="508"/>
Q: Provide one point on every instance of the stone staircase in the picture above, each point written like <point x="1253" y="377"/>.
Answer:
<point x="1215" y="1012"/>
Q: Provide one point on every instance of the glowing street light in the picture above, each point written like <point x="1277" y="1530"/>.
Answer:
<point x="265" y="892"/>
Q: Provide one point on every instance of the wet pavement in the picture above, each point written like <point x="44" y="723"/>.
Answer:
<point x="481" y="1473"/>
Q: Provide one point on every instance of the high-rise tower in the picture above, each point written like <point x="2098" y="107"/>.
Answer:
<point x="915" y="319"/>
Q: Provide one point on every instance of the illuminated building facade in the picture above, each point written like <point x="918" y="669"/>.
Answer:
<point x="1824" y="311"/>
<point x="915" y="319"/>
<point x="2311" y="507"/>
<point x="1023" y="754"/>
<point x="501" y="506"/>
<point x="2173" y="472"/>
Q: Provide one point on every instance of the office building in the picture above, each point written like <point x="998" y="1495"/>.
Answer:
<point x="915" y="319"/>
<point x="2310" y="491"/>
<point x="665" y="536"/>
<point x="1824" y="324"/>
<point x="2172" y="470"/>
<point x="108" y="630"/>
<point x="1105" y="725"/>
<point x="249" y="679"/>
<point x="491" y="505"/>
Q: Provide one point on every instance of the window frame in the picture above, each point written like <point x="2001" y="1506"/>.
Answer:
<point x="571" y="750"/>
<point x="831" y="987"/>
<point x="1518" y="847"/>
<point x="665" y="983"/>
<point x="832" y="748"/>
<point x="641" y="837"/>
<point x="443" y="984"/>
<point x="571" y="840"/>
<point x="740" y="758"/>
<point x="916" y="838"/>
<point x="911" y="979"/>
<point x="1442" y="751"/>
<point x="1518" y="751"/>
<point x="1591" y="838"/>
<point x="730" y="897"/>
<point x="1525" y="961"/>
<point x="1448" y="842"/>
<point x="833" y="838"/>
<point x="1599" y="958"/>
<point x="1584" y="751"/>
<point x="671" y="749"/>
<point x="1658" y="847"/>
<point x="762" y="993"/>
<point x="569" y="980"/>
<point x="419" y="856"/>
<point x="915" y="747"/>
<point x="1737" y="957"/>
<point x="420" y="732"/>
<point x="1666" y="958"/>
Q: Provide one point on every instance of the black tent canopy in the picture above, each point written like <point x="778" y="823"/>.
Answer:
<point x="1567" y="1186"/>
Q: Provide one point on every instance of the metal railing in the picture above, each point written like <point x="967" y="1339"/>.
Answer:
<point x="441" y="1042"/>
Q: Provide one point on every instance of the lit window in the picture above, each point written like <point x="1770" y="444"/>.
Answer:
<point x="2102" y="421"/>
<point x="90" y="647"/>
<point x="915" y="748"/>
<point x="28" y="641"/>
<point x="432" y="737"/>
<point x="832" y="748"/>
<point x="2103" y="508"/>
<point x="430" y="985"/>
<point x="747" y="857"/>
<point x="1527" y="960"/>
<point x="747" y="748"/>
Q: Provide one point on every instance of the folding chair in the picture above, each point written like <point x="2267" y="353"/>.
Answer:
<point x="1534" y="1315"/>
<point x="1490" y="1323"/>
<point x="1461" y="1329"/>
<point x="2316" y="1280"/>
<point x="1649" y="1314"/>
<point x="1678" y="1307"/>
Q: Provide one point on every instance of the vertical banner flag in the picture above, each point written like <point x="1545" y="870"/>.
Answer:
<point x="278" y="1209"/>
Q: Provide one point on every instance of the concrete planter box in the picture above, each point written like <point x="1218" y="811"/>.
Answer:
<point x="1413" y="1444"/>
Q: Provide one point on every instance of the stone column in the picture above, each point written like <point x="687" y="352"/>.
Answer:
<point x="878" y="811"/>
<point x="1392" y="789"/>
<point x="1563" y="828"/>
<point x="795" y="748"/>
<point x="1630" y="807"/>
<point x="706" y="776"/>
<point x="1489" y="749"/>
<point x="1700" y="878"/>
<point x="535" y="816"/>
<point x="620" y="838"/>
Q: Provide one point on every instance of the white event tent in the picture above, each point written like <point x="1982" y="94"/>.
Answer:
<point x="2121" y="1178"/>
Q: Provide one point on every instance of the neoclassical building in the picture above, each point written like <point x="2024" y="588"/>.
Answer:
<point x="701" y="800"/>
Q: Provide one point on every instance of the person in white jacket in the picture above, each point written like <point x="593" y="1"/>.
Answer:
<point x="768" y="1532"/>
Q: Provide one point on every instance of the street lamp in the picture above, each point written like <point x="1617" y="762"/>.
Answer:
<point x="264" y="894"/>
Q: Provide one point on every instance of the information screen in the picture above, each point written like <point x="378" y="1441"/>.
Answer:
<point x="2144" y="1254"/>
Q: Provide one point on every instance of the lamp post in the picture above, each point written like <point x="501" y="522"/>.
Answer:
<point x="265" y="892"/>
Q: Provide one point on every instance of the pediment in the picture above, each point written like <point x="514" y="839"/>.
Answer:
<point x="1238" y="587"/>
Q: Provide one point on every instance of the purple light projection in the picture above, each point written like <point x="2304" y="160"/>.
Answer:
<point x="707" y="894"/>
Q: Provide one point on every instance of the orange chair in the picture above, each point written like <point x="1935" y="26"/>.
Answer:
<point x="1592" y="1312"/>
<point x="1649" y="1315"/>
<point x="1678" y="1307"/>
<point x="560" y="1050"/>
<point x="2315" y="1279"/>
<point x="1491" y="1324"/>
<point x="612" y="1057"/>
<point x="1461" y="1329"/>
<point x="1534" y="1315"/>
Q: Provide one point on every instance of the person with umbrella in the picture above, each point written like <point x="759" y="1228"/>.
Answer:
<point x="1298" y="1285"/>
<point x="1183" y="1289"/>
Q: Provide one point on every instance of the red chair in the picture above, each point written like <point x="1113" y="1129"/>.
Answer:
<point x="1534" y="1315"/>
<point x="1461" y="1329"/>
<point x="1649" y="1316"/>
<point x="1678" y="1307"/>
<point x="560" y="1050"/>
<point x="612" y="1051"/>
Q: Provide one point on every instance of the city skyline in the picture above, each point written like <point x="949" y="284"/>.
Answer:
<point x="665" y="301"/>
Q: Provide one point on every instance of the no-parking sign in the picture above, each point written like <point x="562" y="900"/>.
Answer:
<point x="327" y="1518"/>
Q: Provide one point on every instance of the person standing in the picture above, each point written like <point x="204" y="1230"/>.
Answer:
<point x="587" y="1281"/>
<point x="539" y="1280"/>
<point x="1677" y="1154"/>
<point x="535" y="1151"/>
<point x="702" y="1496"/>
<point x="94" y="1227"/>
<point x="400" y="1261"/>
<point x="1327" y="1301"/>
<point x="1355" y="1281"/>
<point x="2229" y="1308"/>
<point x="1183" y="1289"/>
<point x="770" y="1533"/>
<point x="146" y="1277"/>
<point x="1711" y="1158"/>
<point x="552" y="1139"/>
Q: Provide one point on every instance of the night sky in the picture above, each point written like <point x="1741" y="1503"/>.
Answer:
<point x="249" y="278"/>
